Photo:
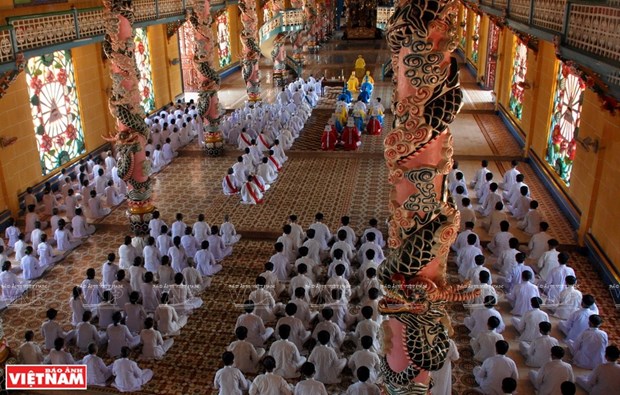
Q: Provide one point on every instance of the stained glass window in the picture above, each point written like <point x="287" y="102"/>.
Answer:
<point x="143" y="60"/>
<point x="519" y="72"/>
<point x="55" y="110"/>
<point x="223" y="39"/>
<point x="475" y="39"/>
<point x="565" y="118"/>
<point x="464" y="28"/>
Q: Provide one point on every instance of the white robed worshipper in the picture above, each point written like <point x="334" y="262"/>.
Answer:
<point x="46" y="254"/>
<point x="605" y="378"/>
<point x="181" y="296"/>
<point x="527" y="326"/>
<point x="217" y="246"/>
<point x="127" y="254"/>
<point x="178" y="258"/>
<point x="588" y="350"/>
<point x="205" y="261"/>
<point x="247" y="357"/>
<point x="97" y="372"/>
<point x="230" y="183"/>
<point x="266" y="171"/>
<point x="548" y="261"/>
<point x="329" y="365"/>
<point x="365" y="357"/>
<point x="168" y="321"/>
<point x="152" y="256"/>
<point x="538" y="352"/>
<point x="569" y="301"/>
<point x="257" y="332"/>
<point x="95" y="207"/>
<point x="128" y="376"/>
<point x="442" y="378"/>
<point x="287" y="356"/>
<point x="531" y="222"/>
<point x="521" y="295"/>
<point x="58" y="356"/>
<point x="229" y="380"/>
<point x="309" y="386"/>
<point x="363" y="386"/>
<point x="494" y="369"/>
<point x="510" y="177"/>
<point x="549" y="378"/>
<point x="250" y="192"/>
<point x="477" y="321"/>
<point x="81" y="228"/>
<point x="31" y="267"/>
<point x="189" y="243"/>
<point x="86" y="333"/>
<point x="119" y="336"/>
<point x="201" y="229"/>
<point x="153" y="345"/>
<point x="228" y="232"/>
<point x="270" y="383"/>
<point x="112" y="197"/>
<point x="29" y="352"/>
<point x="556" y="281"/>
<point x="483" y="345"/>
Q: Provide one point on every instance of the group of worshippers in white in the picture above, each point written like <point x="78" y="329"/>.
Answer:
<point x="143" y="300"/>
<point x="298" y="330"/>
<point x="537" y="281"/>
<point x="61" y="220"/>
<point x="263" y="132"/>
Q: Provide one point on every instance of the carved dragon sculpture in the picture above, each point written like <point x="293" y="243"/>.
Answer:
<point x="251" y="50"/>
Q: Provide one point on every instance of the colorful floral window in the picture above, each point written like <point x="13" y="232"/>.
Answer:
<point x="464" y="28"/>
<point x="223" y="39"/>
<point x="55" y="110"/>
<point x="143" y="60"/>
<point x="565" y="122"/>
<point x="475" y="39"/>
<point x="519" y="72"/>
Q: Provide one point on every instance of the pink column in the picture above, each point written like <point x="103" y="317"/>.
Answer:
<point x="251" y="51"/>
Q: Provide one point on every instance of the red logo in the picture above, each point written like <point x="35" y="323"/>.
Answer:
<point x="47" y="377"/>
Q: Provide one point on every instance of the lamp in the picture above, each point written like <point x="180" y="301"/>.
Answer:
<point x="6" y="141"/>
<point x="174" y="61"/>
<point x="524" y="85"/>
<point x="589" y="143"/>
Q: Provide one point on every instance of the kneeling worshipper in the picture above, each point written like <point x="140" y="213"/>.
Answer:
<point x="350" y="136"/>
<point x="250" y="192"/>
<point x="230" y="184"/>
<point x="375" y="123"/>
<point x="359" y="115"/>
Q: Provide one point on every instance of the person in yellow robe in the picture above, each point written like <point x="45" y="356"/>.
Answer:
<point x="353" y="83"/>
<point x="360" y="66"/>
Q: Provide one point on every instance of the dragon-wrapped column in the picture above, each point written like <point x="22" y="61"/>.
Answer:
<point x="131" y="131"/>
<point x="251" y="50"/>
<point x="208" y="101"/>
<point x="278" y="53"/>
<point x="423" y="220"/>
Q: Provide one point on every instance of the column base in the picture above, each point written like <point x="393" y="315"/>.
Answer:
<point x="139" y="217"/>
<point x="214" y="144"/>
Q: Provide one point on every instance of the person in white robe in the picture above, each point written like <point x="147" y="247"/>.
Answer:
<point x="31" y="267"/>
<point x="501" y="242"/>
<point x="522" y="205"/>
<point x="97" y="372"/>
<point x="112" y="197"/>
<point x="151" y="293"/>
<point x="492" y="198"/>
<point x="270" y="383"/>
<point x="201" y="229"/>
<point x="538" y="352"/>
<point x="250" y="192"/>
<point x="548" y="261"/>
<point x="477" y="321"/>
<point x="178" y="258"/>
<point x="228" y="232"/>
<point x="12" y="286"/>
<point x="164" y="241"/>
<point x="549" y="378"/>
<point x="152" y="256"/>
<point x="189" y="243"/>
<point x="605" y="378"/>
<point x="578" y="321"/>
<point x="527" y="325"/>
<point x="531" y="222"/>
<point x="494" y="369"/>
<point x="442" y="378"/>
<point x="322" y="232"/>
<point x="556" y="281"/>
<point x="29" y="352"/>
<point x="46" y="253"/>
<point x="86" y="333"/>
<point x="266" y="171"/>
<point x="366" y="357"/>
<point x="81" y="228"/>
<point x="569" y="301"/>
<point x="128" y="376"/>
<point x="159" y="160"/>
<point x="257" y="332"/>
<point x="521" y="295"/>
<point x="181" y="296"/>
<point x="297" y="332"/>
<point x="492" y="224"/>
<point x="247" y="357"/>
<point x="121" y="289"/>
<point x="510" y="177"/>
<point x="286" y="354"/>
<point x="325" y="358"/>
<point x="58" y="355"/>
<point x="51" y="330"/>
<point x="363" y="386"/>
<point x="153" y="345"/>
<point x="263" y="300"/>
<point x="367" y="326"/>
<point x="466" y="258"/>
<point x="168" y="321"/>
<point x="205" y="261"/>
<point x="588" y="350"/>
<point x="229" y="380"/>
<point x="461" y="239"/>
<point x="119" y="336"/>
<point x="309" y="386"/>
<point x="106" y="309"/>
<point x="483" y="345"/>
<point x="134" y="313"/>
<point x="372" y="228"/>
<point x="217" y="246"/>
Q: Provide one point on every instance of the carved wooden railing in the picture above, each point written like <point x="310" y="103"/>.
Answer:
<point x="595" y="29"/>
<point x="383" y="15"/>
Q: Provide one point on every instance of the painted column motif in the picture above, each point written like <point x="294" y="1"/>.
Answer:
<point x="209" y="80"/>
<point x="131" y="130"/>
<point x="278" y="54"/>
<point x="251" y="51"/>
<point x="298" y="38"/>
<point x="312" y="25"/>
<point x="423" y="220"/>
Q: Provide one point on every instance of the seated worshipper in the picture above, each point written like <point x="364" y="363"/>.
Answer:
<point x="513" y="276"/>
<point x="466" y="257"/>
<point x="159" y="160"/>
<point x="362" y="386"/>
<point x="522" y="294"/>
<point x="286" y="354"/>
<point x="477" y="321"/>
<point x="473" y="275"/>
<point x="342" y="317"/>
<point x="152" y="256"/>
<point x="169" y="322"/>
<point x="483" y="345"/>
<point x="135" y="313"/>
<point x="91" y="287"/>
<point x="119" y="336"/>
<point x="365" y="357"/>
<point x="165" y="273"/>
<point x="58" y="355"/>
<point x="507" y="259"/>
<point x="274" y="162"/>
<point x="549" y="378"/>
<point x="270" y="381"/>
<point x="230" y="183"/>
<point x="501" y="240"/>
<point x="77" y="303"/>
<point x="461" y="239"/>
<point x="367" y="326"/>
<point x="247" y="357"/>
<point x="325" y="358"/>
<point x="531" y="222"/>
<point x="329" y="139"/>
<point x="588" y="350"/>
<point x="336" y="334"/>
<point x="136" y="274"/>
<point x="12" y="287"/>
<point x="164" y="241"/>
<point x="250" y="192"/>
<point x="375" y="122"/>
<point x="556" y="280"/>
<point x="298" y="333"/>
<point x="189" y="243"/>
<point x="228" y="232"/>
<point x="538" y="351"/>
<point x="350" y="136"/>
<point x="30" y="220"/>
<point x="359" y="115"/>
<point x="485" y="188"/>
<point x="178" y="258"/>
<point x="71" y="204"/>
<point x="569" y="301"/>
<point x="97" y="372"/>
<point x="229" y="379"/>
<point x="31" y="266"/>
<point x="95" y="208"/>
<point x="205" y="261"/>
<point x="257" y="333"/>
<point x="194" y="280"/>
<point x="86" y="333"/>
<point x="527" y="326"/>
<point x="493" y="197"/>
<point x="578" y="320"/>
<point x="45" y="252"/>
<point x="605" y="378"/>
<point x="510" y="177"/>
<point x="371" y="244"/>
<point x="442" y="378"/>
<point x="493" y="224"/>
<point x="182" y="297"/>
<point x="321" y="232"/>
<point x="494" y="369"/>
<point x="522" y="205"/>
<point x="309" y="386"/>
<point x="538" y="243"/>
<point x="266" y="171"/>
<point x="150" y="294"/>
<point x="29" y="352"/>
<point x="153" y="345"/>
<point x="217" y="246"/>
<point x="128" y="376"/>
<point x="112" y="197"/>
<point x="548" y="260"/>
<point x="106" y="309"/>
<point x="81" y="228"/>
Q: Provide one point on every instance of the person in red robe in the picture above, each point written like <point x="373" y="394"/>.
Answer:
<point x="329" y="138"/>
<point x="350" y="136"/>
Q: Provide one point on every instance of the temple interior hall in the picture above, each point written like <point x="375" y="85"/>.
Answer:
<point x="532" y="93"/>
